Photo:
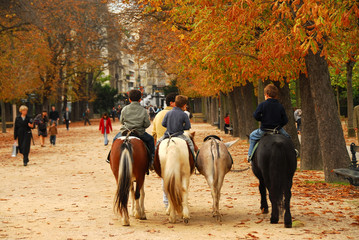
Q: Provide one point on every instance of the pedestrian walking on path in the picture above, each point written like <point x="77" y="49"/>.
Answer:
<point x="87" y="117"/>
<point x="226" y="123"/>
<point x="41" y="121"/>
<point x="22" y="133"/>
<point x="67" y="118"/>
<point x="105" y="127"/>
<point x="113" y="114"/>
<point x="53" y="133"/>
<point x="54" y="115"/>
<point x="298" y="118"/>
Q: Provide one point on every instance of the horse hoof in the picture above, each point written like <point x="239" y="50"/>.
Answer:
<point x="288" y="225"/>
<point x="143" y="218"/>
<point x="273" y="221"/>
<point x="186" y="220"/>
<point x="264" y="210"/>
<point x="219" y="218"/>
<point x="126" y="224"/>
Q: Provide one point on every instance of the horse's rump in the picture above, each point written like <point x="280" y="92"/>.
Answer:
<point x="140" y="156"/>
<point x="274" y="164"/>
<point x="157" y="163"/>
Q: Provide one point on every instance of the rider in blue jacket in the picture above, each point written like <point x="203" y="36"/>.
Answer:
<point x="272" y="116"/>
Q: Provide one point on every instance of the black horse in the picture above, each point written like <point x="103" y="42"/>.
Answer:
<point x="274" y="164"/>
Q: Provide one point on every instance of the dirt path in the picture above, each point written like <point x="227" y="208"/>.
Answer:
<point x="66" y="192"/>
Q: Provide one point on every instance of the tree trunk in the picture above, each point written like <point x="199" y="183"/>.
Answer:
<point x="14" y="113"/>
<point x="350" y="66"/>
<point x="332" y="143"/>
<point x="338" y="101"/>
<point x="233" y="114"/>
<point x="3" y="116"/>
<point x="8" y="115"/>
<point x="75" y="111"/>
<point x="204" y="109"/>
<point x="297" y="94"/>
<point x="249" y="105"/>
<point x="284" y="98"/>
<point x="310" y="155"/>
<point x="260" y="91"/>
<point x="209" y="112"/>
<point x="241" y="117"/>
<point x="222" y="111"/>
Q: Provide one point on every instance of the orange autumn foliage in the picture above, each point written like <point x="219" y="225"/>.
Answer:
<point x="224" y="43"/>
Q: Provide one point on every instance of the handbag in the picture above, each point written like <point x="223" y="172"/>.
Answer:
<point x="15" y="150"/>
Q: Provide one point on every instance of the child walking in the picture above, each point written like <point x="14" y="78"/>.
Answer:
<point x="105" y="127"/>
<point x="53" y="133"/>
<point x="272" y="116"/>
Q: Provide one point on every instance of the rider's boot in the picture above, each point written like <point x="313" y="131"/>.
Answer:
<point x="108" y="157"/>
<point x="151" y="167"/>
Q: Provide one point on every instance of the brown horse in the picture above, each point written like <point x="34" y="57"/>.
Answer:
<point x="129" y="162"/>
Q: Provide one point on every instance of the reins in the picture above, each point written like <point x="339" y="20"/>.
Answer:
<point x="241" y="170"/>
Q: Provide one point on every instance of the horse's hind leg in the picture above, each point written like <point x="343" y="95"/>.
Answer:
<point x="139" y="185"/>
<point x="218" y="195"/>
<point x="263" y="192"/>
<point x="185" y="211"/>
<point x="273" y="196"/>
<point x="142" y="204"/>
<point x="287" y="215"/>
<point x="172" y="212"/>
<point x="132" y="196"/>
<point x="125" y="219"/>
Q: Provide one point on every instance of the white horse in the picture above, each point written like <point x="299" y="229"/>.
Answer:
<point x="214" y="162"/>
<point x="176" y="169"/>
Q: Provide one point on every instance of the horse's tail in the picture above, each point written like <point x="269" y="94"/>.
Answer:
<point x="279" y="165"/>
<point x="172" y="178"/>
<point x="215" y="157"/>
<point x="124" y="178"/>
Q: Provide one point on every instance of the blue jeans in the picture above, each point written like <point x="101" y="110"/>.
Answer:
<point x="53" y="139"/>
<point x="105" y="135"/>
<point x="257" y="134"/>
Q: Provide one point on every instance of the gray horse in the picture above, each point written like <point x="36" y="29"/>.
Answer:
<point x="214" y="162"/>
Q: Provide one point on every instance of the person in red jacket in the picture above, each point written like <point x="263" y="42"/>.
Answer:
<point x="226" y="123"/>
<point x="105" y="126"/>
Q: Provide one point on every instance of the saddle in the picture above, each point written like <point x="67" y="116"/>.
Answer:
<point x="267" y="132"/>
<point x="157" y="164"/>
<point x="134" y="133"/>
<point x="213" y="137"/>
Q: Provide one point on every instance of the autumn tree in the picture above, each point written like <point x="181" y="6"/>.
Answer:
<point x="225" y="45"/>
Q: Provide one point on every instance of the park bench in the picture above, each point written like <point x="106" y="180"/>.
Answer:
<point x="352" y="172"/>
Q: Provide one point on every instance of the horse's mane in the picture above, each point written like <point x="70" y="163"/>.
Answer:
<point x="212" y="136"/>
